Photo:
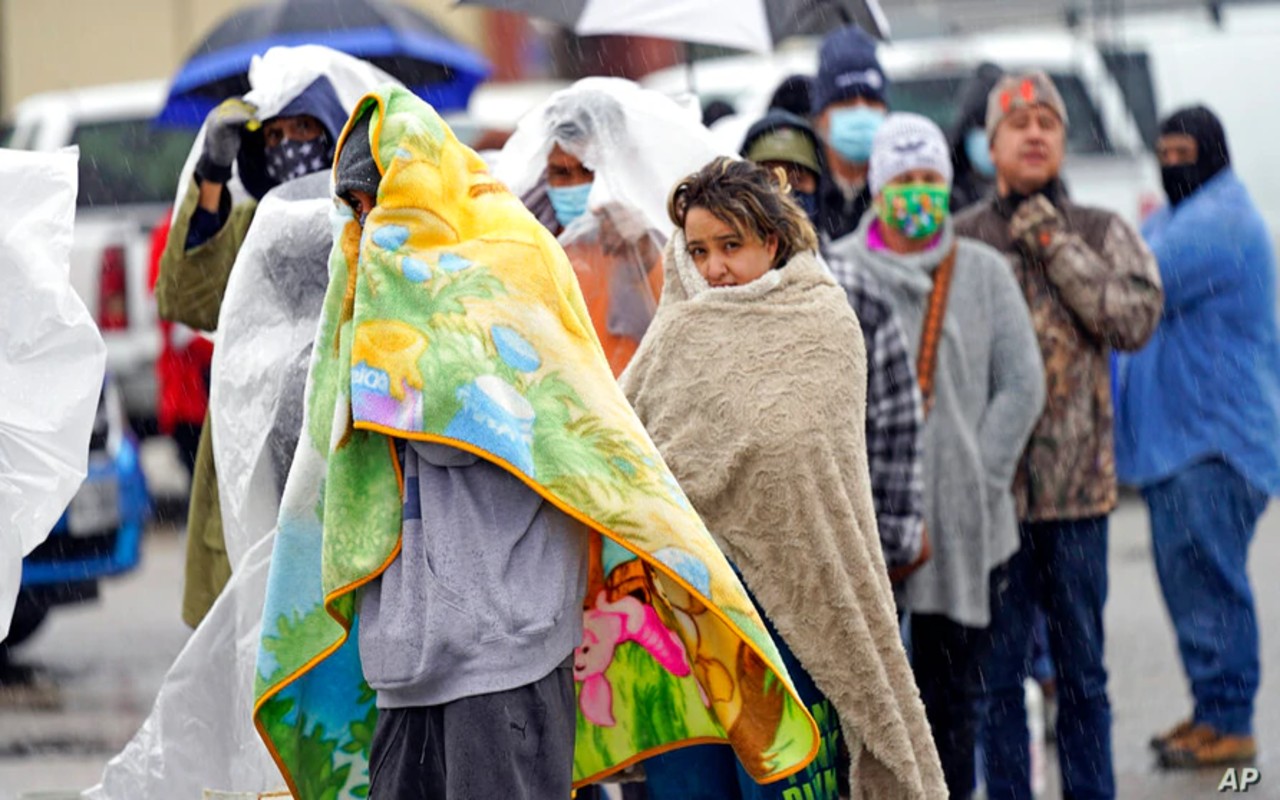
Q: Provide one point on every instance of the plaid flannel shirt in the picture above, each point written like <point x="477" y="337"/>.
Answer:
<point x="895" y="419"/>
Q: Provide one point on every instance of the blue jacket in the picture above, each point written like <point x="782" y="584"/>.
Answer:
<point x="1208" y="383"/>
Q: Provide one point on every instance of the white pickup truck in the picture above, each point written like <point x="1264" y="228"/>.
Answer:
<point x="1108" y="165"/>
<point x="128" y="176"/>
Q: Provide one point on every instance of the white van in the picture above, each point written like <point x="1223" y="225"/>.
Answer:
<point x="128" y="174"/>
<point x="1108" y="165"/>
<point x="1230" y="65"/>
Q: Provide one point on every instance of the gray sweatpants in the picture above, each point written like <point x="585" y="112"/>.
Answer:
<point x="516" y="744"/>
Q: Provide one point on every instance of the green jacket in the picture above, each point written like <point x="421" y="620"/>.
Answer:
<point x="189" y="290"/>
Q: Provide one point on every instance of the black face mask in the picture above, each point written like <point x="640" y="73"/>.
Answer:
<point x="1181" y="181"/>
<point x="809" y="202"/>
<point x="290" y="159"/>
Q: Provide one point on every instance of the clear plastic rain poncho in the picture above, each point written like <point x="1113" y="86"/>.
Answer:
<point x="265" y="331"/>
<point x="639" y="144"/>
<point x="200" y="733"/>
<point x="51" y="359"/>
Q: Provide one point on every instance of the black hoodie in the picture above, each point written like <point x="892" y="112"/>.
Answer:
<point x="1212" y="156"/>
<point x="969" y="186"/>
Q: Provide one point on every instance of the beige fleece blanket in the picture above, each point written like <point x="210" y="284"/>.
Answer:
<point x="756" y="397"/>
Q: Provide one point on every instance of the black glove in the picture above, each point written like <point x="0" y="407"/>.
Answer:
<point x="223" y="129"/>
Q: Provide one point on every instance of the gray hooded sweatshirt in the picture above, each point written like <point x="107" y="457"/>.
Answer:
<point x="486" y="594"/>
<point x="989" y="392"/>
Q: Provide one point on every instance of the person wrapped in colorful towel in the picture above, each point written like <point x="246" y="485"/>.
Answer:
<point x="473" y="499"/>
<point x="752" y="382"/>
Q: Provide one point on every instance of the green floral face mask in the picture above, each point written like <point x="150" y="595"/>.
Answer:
<point x="915" y="209"/>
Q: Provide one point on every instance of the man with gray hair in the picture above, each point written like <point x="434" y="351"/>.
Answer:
<point x="1092" y="286"/>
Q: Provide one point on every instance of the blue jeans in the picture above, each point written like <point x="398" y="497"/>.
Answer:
<point x="712" y="771"/>
<point x="1202" y="522"/>
<point x="1041" y="658"/>
<point x="1063" y="565"/>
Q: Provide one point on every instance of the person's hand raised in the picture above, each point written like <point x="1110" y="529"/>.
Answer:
<point x="224" y="129"/>
<point x="1036" y="224"/>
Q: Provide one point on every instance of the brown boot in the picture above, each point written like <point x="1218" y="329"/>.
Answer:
<point x="1160" y="741"/>
<point x="1202" y="746"/>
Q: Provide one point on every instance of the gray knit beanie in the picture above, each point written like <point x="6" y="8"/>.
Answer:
<point x="906" y="142"/>
<point x="1022" y="91"/>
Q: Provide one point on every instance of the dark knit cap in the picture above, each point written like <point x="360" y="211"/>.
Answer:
<point x="794" y="94"/>
<point x="356" y="167"/>
<point x="715" y="111"/>
<point x="848" y="68"/>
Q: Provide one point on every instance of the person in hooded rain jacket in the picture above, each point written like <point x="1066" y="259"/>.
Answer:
<point x="206" y="234"/>
<point x="1199" y="429"/>
<point x="594" y="164"/>
<point x="984" y="385"/>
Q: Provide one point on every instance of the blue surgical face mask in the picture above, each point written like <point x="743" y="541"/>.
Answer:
<point x="569" y="202"/>
<point x="852" y="130"/>
<point x="978" y="150"/>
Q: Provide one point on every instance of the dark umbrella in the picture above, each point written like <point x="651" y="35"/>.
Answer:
<point x="816" y="17"/>
<point x="786" y="17"/>
<point x="403" y="42"/>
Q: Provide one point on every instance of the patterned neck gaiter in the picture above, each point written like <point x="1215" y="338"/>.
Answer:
<point x="290" y="159"/>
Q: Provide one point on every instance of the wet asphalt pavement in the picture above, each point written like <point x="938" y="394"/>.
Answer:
<point x="78" y="690"/>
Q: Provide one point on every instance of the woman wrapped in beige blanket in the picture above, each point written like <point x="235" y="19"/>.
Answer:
<point x="752" y="383"/>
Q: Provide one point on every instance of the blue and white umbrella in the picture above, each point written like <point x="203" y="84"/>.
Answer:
<point x="404" y="43"/>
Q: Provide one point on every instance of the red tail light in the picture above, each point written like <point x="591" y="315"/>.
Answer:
<point x="1148" y="204"/>
<point x="113" y="306"/>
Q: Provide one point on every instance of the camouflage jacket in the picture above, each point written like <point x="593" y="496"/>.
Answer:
<point x="1091" y="285"/>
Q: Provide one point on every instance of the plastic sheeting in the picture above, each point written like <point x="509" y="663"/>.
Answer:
<point x="639" y="144"/>
<point x="51" y="359"/>
<point x="619" y="269"/>
<point x="200" y="734"/>
<point x="265" y="332"/>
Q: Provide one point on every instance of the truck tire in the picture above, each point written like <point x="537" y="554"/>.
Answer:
<point x="27" y="618"/>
